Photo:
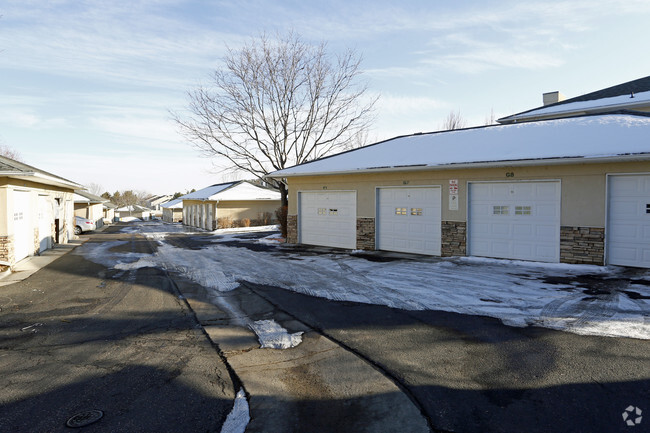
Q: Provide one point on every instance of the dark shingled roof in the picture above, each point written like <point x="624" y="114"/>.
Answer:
<point x="634" y="86"/>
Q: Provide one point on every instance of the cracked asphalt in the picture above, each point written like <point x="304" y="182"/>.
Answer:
<point x="78" y="335"/>
<point x="75" y="336"/>
<point x="463" y="373"/>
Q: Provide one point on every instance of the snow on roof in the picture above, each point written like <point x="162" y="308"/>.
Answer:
<point x="86" y="197"/>
<point x="603" y="104"/>
<point x="240" y="190"/>
<point x="133" y="208"/>
<point x="585" y="137"/>
<point x="177" y="203"/>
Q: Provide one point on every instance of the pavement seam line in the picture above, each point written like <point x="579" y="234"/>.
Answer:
<point x="237" y="382"/>
<point x="347" y="348"/>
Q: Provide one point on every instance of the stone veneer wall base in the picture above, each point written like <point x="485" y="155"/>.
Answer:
<point x="582" y="245"/>
<point x="7" y="249"/>
<point x="292" y="229"/>
<point x="453" y="238"/>
<point x="366" y="233"/>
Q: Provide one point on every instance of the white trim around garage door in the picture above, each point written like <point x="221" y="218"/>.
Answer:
<point x="328" y="218"/>
<point x="409" y="219"/>
<point x="515" y="219"/>
<point x="627" y="220"/>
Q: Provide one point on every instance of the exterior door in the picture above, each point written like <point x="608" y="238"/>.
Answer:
<point x="628" y="221"/>
<point x="515" y="220"/>
<point x="328" y="218"/>
<point x="45" y="219"/>
<point x="409" y="220"/>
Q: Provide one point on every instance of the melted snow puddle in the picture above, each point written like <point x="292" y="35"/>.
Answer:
<point x="239" y="416"/>
<point x="273" y="336"/>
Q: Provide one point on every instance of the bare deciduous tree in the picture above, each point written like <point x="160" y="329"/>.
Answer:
<point x="10" y="153"/>
<point x="454" y="120"/>
<point x="491" y="118"/>
<point x="94" y="188"/>
<point x="277" y="103"/>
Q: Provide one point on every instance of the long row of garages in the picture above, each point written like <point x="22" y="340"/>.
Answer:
<point x="509" y="219"/>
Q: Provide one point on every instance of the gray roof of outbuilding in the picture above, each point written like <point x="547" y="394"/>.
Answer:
<point x="15" y="169"/>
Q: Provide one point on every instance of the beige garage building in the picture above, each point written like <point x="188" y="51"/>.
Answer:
<point x="573" y="190"/>
<point x="210" y="207"/>
<point x="36" y="211"/>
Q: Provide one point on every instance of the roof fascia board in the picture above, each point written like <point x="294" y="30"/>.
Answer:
<point x="42" y="178"/>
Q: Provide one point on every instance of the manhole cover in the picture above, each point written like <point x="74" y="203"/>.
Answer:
<point x="85" y="418"/>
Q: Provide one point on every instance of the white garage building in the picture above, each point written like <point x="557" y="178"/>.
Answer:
<point x="36" y="211"/>
<point x="573" y="190"/>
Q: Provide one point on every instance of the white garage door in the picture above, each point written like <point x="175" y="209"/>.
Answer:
<point x="408" y="220"/>
<point x="23" y="230"/>
<point x="328" y="218"/>
<point x="628" y="228"/>
<point x="518" y="220"/>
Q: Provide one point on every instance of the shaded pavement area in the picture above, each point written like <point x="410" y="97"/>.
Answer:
<point x="76" y="336"/>
<point x="474" y="374"/>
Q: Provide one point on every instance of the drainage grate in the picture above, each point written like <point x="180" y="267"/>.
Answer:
<point x="85" y="418"/>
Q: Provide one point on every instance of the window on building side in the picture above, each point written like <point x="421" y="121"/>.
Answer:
<point x="400" y="211"/>
<point x="500" y="210"/>
<point x="416" y="211"/>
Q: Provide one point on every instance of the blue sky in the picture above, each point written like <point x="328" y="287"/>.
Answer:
<point x="86" y="86"/>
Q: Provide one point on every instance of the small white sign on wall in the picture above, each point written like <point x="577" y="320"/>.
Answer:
<point x="453" y="201"/>
<point x="453" y="194"/>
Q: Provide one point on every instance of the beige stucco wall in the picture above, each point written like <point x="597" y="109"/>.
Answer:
<point x="36" y="191"/>
<point x="7" y="185"/>
<point x="252" y="209"/>
<point x="583" y="187"/>
<point x="205" y="214"/>
<point x="94" y="212"/>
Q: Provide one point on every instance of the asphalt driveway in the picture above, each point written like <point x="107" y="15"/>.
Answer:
<point x="463" y="372"/>
<point x="77" y="337"/>
<point x="387" y="342"/>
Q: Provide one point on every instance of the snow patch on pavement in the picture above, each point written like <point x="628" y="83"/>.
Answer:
<point x="518" y="293"/>
<point x="142" y="263"/>
<point x="273" y="336"/>
<point x="239" y="416"/>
